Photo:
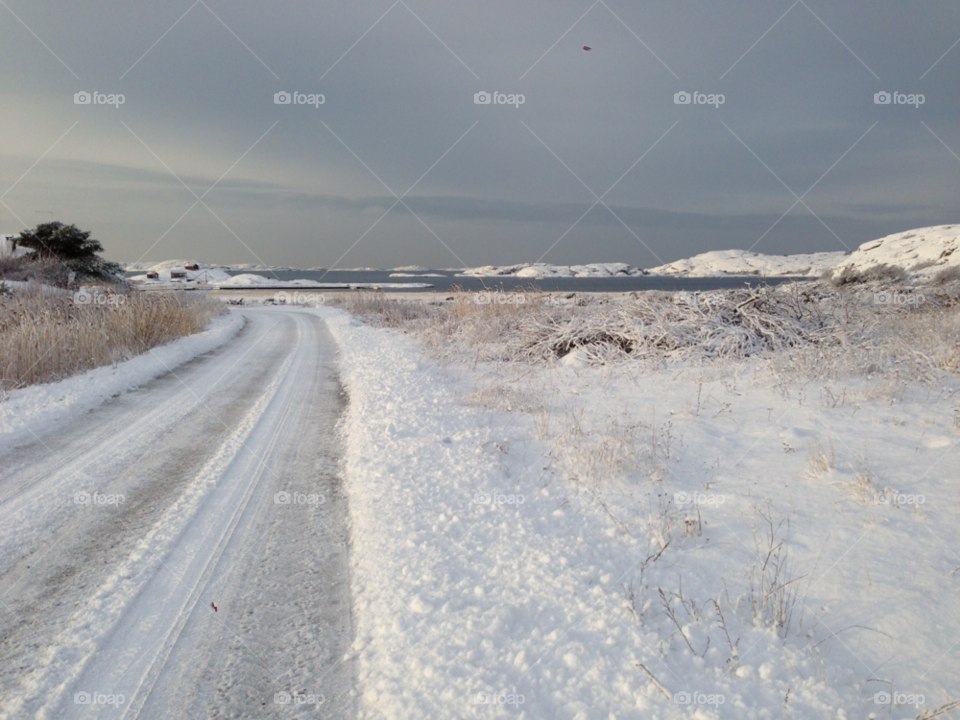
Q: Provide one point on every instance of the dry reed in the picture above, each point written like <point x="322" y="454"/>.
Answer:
<point x="45" y="335"/>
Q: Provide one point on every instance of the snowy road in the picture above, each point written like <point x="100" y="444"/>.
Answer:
<point x="214" y="484"/>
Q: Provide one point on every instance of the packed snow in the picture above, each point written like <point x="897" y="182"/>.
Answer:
<point x="183" y="538"/>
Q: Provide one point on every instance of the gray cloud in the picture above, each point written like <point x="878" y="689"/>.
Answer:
<point x="200" y="103"/>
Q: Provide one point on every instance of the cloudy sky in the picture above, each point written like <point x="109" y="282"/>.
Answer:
<point x="400" y="165"/>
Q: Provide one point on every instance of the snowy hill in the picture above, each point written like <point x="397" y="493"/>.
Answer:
<point x="742" y="262"/>
<point x="922" y="252"/>
<point x="544" y="270"/>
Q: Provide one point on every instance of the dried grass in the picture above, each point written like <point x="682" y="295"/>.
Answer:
<point x="46" y="336"/>
<point x="773" y="587"/>
<point x="821" y="461"/>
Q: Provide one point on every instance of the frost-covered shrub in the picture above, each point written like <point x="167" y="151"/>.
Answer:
<point x="808" y="330"/>
<point x="850" y="274"/>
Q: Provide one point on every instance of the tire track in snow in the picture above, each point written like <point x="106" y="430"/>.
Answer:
<point x="123" y="636"/>
<point x="105" y="609"/>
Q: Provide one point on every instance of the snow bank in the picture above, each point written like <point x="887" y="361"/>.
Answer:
<point x="742" y="262"/>
<point x="34" y="411"/>
<point x="922" y="252"/>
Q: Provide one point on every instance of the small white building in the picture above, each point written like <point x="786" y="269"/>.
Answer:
<point x="8" y="246"/>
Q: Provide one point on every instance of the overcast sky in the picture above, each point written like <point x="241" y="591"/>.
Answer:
<point x="598" y="164"/>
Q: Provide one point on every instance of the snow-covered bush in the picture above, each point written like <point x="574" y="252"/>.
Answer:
<point x="809" y="330"/>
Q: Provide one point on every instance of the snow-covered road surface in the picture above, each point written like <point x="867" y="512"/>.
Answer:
<point x="215" y="484"/>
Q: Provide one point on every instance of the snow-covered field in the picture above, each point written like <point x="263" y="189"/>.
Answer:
<point x="579" y="541"/>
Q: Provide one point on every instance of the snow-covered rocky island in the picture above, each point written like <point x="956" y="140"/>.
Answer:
<point x="742" y="262"/>
<point x="545" y="270"/>
<point x="921" y="255"/>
